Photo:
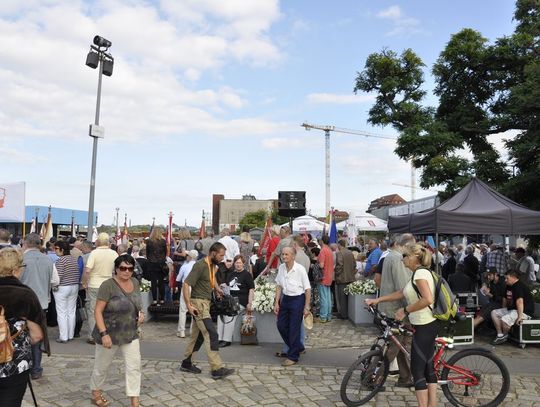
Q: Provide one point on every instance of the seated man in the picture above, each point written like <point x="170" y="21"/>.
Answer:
<point x="518" y="305"/>
<point x="494" y="290"/>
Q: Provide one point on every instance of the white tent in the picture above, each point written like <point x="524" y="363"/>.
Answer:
<point x="308" y="224"/>
<point x="364" y="222"/>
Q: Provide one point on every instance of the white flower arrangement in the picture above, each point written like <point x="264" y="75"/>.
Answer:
<point x="361" y="287"/>
<point x="264" y="296"/>
<point x="144" y="286"/>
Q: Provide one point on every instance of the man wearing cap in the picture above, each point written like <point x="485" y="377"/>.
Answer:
<point x="191" y="258"/>
<point x="292" y="281"/>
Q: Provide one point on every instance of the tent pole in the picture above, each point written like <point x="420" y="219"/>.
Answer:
<point x="437" y="253"/>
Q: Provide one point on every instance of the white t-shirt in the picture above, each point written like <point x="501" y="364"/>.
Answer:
<point x="294" y="282"/>
<point x="423" y="316"/>
<point x="184" y="271"/>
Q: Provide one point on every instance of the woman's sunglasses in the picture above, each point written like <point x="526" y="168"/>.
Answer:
<point x="126" y="268"/>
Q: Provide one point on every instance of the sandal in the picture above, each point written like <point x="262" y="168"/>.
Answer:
<point x="100" y="401"/>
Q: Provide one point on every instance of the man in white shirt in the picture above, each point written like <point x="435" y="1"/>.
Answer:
<point x="292" y="281"/>
<point x="184" y="271"/>
<point x="231" y="246"/>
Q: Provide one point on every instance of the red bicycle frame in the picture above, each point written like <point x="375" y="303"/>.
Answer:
<point x="465" y="376"/>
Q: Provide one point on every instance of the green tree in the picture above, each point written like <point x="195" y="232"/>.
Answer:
<point x="255" y="219"/>
<point x="482" y="89"/>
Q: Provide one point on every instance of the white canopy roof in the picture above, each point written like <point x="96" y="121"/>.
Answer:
<point x="308" y="223"/>
<point x="364" y="222"/>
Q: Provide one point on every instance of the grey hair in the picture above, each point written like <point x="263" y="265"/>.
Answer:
<point x="32" y="240"/>
<point x="405" y="239"/>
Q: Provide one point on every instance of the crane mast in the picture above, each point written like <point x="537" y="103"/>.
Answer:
<point x="327" y="129"/>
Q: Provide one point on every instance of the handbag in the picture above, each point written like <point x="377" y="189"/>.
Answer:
<point x="248" y="331"/>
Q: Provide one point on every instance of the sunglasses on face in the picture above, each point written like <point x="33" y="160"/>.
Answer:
<point x="126" y="268"/>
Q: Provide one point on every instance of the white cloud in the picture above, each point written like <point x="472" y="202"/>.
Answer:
<point x="402" y="25"/>
<point x="339" y="99"/>
<point x="161" y="53"/>
<point x="392" y="13"/>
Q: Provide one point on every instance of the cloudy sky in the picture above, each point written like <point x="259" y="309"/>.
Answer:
<point x="208" y="96"/>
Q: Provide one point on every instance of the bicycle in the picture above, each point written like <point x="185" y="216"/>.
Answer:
<point x="470" y="377"/>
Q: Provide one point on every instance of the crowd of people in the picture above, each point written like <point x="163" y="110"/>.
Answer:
<point x="74" y="281"/>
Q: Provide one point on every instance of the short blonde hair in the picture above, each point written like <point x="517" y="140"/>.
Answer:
<point x="245" y="237"/>
<point x="10" y="259"/>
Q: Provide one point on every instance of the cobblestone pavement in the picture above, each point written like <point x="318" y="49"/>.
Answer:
<point x="66" y="384"/>
<point x="66" y="378"/>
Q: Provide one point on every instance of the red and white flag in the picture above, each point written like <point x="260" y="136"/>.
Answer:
<point x="125" y="233"/>
<point x="267" y="236"/>
<point x="169" y="234"/>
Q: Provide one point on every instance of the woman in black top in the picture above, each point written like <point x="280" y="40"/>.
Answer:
<point x="156" y="254"/>
<point x="240" y="284"/>
<point x="27" y="326"/>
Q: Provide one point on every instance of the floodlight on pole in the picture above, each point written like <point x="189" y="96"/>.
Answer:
<point x="98" y="56"/>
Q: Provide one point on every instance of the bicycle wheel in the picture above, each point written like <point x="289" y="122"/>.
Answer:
<point x="364" y="378"/>
<point x="487" y="388"/>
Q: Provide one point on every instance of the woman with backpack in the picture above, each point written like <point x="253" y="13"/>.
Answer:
<point x="22" y="323"/>
<point x="418" y="259"/>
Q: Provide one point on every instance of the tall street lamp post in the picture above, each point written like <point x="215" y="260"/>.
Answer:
<point x="98" y="55"/>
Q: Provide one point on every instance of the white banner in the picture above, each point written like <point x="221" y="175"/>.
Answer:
<point x="12" y="202"/>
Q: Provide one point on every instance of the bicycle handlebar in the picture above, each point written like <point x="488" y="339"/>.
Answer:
<point x="389" y="321"/>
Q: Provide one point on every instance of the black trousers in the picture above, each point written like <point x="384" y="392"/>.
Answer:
<point x="157" y="286"/>
<point x="422" y="351"/>
<point x="12" y="389"/>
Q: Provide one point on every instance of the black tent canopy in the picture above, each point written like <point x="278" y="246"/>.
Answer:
<point x="475" y="209"/>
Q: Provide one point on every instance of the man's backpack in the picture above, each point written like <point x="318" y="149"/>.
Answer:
<point x="6" y="340"/>
<point x="445" y="302"/>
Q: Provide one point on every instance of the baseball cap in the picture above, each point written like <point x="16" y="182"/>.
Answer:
<point x="194" y="254"/>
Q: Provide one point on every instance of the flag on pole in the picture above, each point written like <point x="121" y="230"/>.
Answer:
<point x="33" y="227"/>
<point x="267" y="236"/>
<point x="202" y="230"/>
<point x="73" y="226"/>
<point x="152" y="227"/>
<point x="169" y="234"/>
<point x="333" y="228"/>
<point x="48" y="228"/>
<point x="125" y="234"/>
<point x="94" y="234"/>
<point x="43" y="227"/>
<point x="118" y="236"/>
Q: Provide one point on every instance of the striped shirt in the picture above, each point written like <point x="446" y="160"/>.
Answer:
<point x="68" y="270"/>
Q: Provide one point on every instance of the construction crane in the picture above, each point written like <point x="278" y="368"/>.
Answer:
<point x="327" y="130"/>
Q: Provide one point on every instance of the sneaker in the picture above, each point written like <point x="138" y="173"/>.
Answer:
<point x="181" y="334"/>
<point x="189" y="368"/>
<point x="90" y="342"/>
<point x="224" y="344"/>
<point x="221" y="373"/>
<point x="500" y="340"/>
<point x="58" y="340"/>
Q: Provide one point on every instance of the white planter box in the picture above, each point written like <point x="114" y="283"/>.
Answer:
<point x="267" y="331"/>
<point x="358" y="315"/>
